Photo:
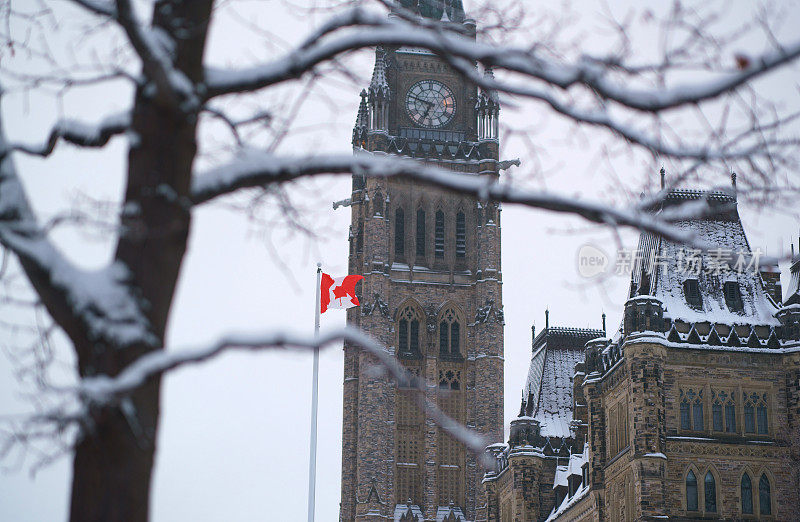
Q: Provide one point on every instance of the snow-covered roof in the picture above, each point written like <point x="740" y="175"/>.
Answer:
<point x="561" y="477"/>
<point x="450" y="513"/>
<point x="401" y="510"/>
<point x="547" y="396"/>
<point x="668" y="265"/>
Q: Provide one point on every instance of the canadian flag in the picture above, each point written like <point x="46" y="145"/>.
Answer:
<point x="338" y="292"/>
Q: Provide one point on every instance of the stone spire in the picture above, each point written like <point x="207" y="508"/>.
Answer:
<point x="379" y="86"/>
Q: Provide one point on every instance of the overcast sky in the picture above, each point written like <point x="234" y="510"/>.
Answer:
<point x="233" y="443"/>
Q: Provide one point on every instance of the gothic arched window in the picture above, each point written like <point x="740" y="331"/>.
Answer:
<point x="461" y="235"/>
<point x="691" y="491"/>
<point x="408" y="332"/>
<point x="449" y="334"/>
<point x="399" y="232"/>
<point x="710" y="492"/>
<point x="438" y="240"/>
<point x="764" y="496"/>
<point x="747" y="495"/>
<point x="420" y="232"/>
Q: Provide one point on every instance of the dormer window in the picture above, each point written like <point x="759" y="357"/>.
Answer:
<point x="691" y="290"/>
<point x="733" y="296"/>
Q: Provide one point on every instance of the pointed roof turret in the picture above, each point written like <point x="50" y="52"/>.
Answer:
<point x="379" y="86"/>
<point x="444" y="10"/>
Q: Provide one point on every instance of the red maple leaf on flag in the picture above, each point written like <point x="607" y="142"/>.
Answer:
<point x="339" y="292"/>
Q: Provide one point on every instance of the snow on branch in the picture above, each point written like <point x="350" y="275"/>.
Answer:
<point x="91" y="306"/>
<point x="77" y="133"/>
<point x="104" y="390"/>
<point x="153" y="45"/>
<point x="359" y="29"/>
<point x="258" y="168"/>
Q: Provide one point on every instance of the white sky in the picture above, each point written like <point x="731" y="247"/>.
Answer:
<point x="233" y="443"/>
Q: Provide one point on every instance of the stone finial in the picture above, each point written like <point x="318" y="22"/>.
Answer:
<point x="733" y="179"/>
<point x="604" y="323"/>
<point x="547" y="319"/>
<point x="663" y="175"/>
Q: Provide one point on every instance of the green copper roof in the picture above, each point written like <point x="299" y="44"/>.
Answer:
<point x="436" y="9"/>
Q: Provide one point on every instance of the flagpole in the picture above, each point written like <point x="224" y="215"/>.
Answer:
<point x="312" y="460"/>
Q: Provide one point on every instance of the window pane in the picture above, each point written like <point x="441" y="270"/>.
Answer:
<point x="420" y="232"/>
<point x="685" y="422"/>
<point x="455" y="338"/>
<point x="710" y="493"/>
<point x="399" y="232"/>
<point x="403" y="336"/>
<point x="691" y="492"/>
<point x="747" y="494"/>
<point x="764" y="496"/>
<point x="697" y="410"/>
<point x="749" y="419"/>
<point x="438" y="245"/>
<point x="461" y="235"/>
<point x="443" y="337"/>
<point x="414" y="341"/>
<point x="730" y="418"/>
<point x="716" y="411"/>
<point x="762" y="420"/>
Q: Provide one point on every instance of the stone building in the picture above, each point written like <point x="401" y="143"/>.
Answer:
<point x="431" y="291"/>
<point x="691" y="410"/>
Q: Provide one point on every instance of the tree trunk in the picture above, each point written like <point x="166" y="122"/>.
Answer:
<point x="113" y="460"/>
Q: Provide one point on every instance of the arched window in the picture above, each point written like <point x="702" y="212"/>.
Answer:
<point x="461" y="235"/>
<point x="764" y="496"/>
<point x="408" y="332"/>
<point x="399" y="232"/>
<point x="710" y="493"/>
<point x="747" y="495"/>
<point x="420" y="232"/>
<point x="438" y="240"/>
<point x="449" y="334"/>
<point x="691" y="492"/>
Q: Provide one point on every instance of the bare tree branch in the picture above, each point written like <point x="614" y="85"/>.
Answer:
<point x="256" y="168"/>
<point x="75" y="132"/>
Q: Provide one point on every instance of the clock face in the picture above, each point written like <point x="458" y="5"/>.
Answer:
<point x="430" y="104"/>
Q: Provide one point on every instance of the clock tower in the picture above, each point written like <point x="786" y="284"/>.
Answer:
<point x="432" y="290"/>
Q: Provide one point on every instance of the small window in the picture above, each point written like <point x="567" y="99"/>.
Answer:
<point x="697" y="415"/>
<point x="749" y="419"/>
<point x="761" y="417"/>
<point x="438" y="243"/>
<point x="733" y="296"/>
<point x="691" y="492"/>
<point x="710" y="493"/>
<point x="455" y="338"/>
<point x="461" y="235"/>
<point x="730" y="418"/>
<point x="443" y="344"/>
<point x="716" y="413"/>
<point x="691" y="290"/>
<point x="420" y="233"/>
<point x="686" y="423"/>
<point x="747" y="495"/>
<point x="399" y="232"/>
<point x="764" y="496"/>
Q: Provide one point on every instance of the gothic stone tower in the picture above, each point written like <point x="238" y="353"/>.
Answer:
<point x="431" y="291"/>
